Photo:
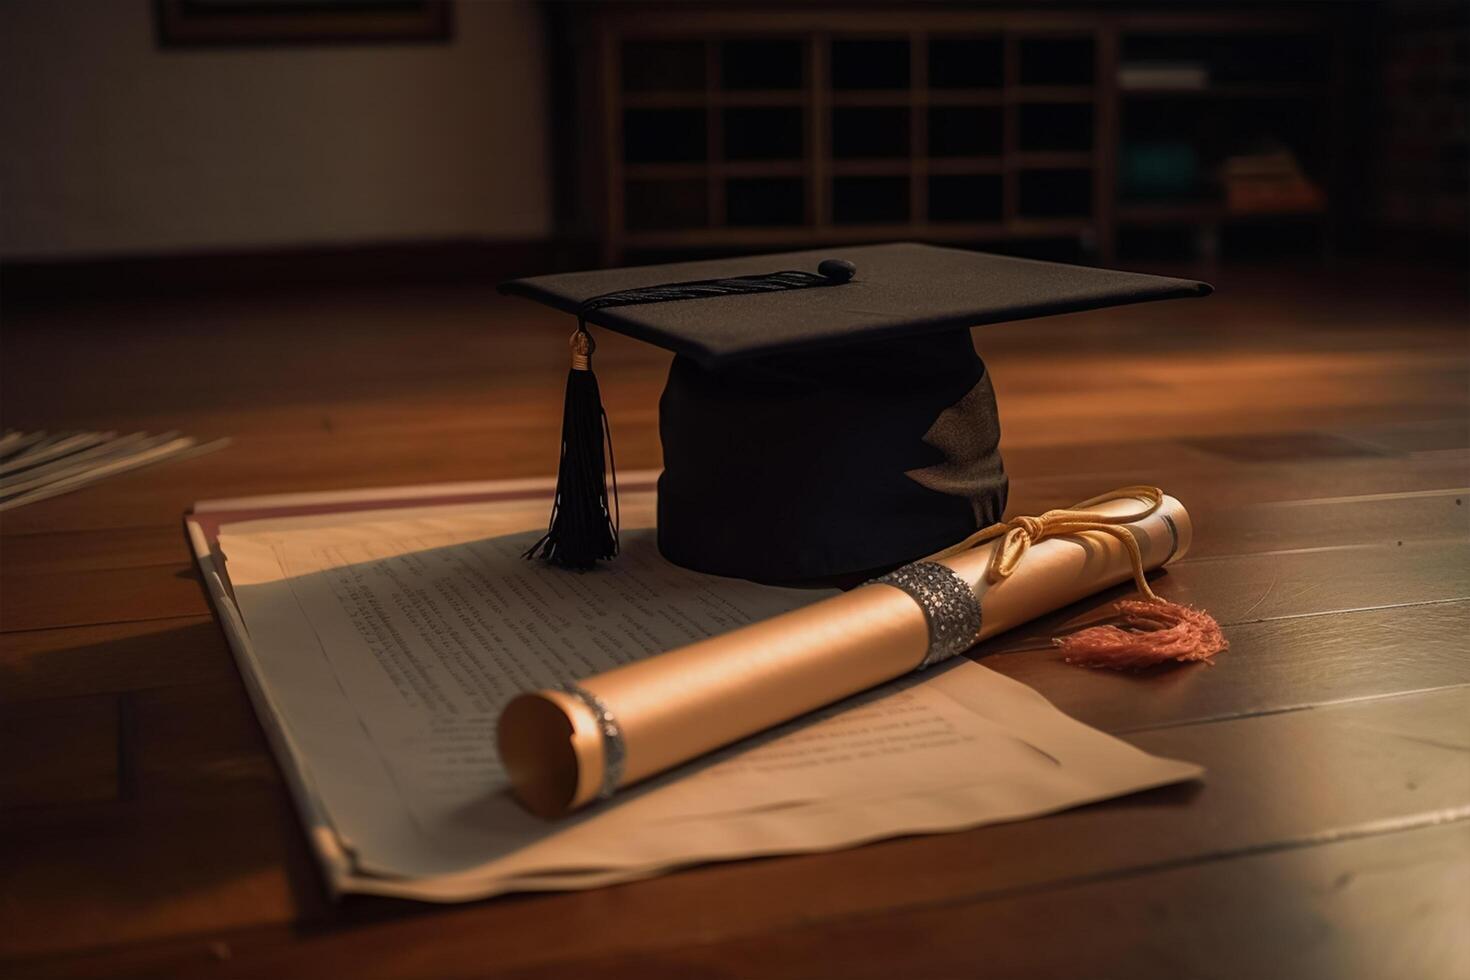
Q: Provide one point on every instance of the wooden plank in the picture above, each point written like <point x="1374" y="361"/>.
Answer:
<point x="1040" y="475"/>
<point x="1271" y="666"/>
<point x="1358" y="765"/>
<point x="451" y="345"/>
<point x="1252" y="485"/>
<point x="1382" y="906"/>
<point x="118" y="595"/>
<point x="196" y="740"/>
<point x="1282" y="447"/>
<point x="1384" y="520"/>
<point x="1415" y="571"/>
<point x="491" y="398"/>
<point x="448" y="397"/>
<point x="1274" y="782"/>
<point x="206" y="836"/>
<point x="96" y="876"/>
<point x="280" y="463"/>
<point x="1254" y="588"/>
<point x="1440" y="435"/>
<point x="1221" y="528"/>
<point x="1415" y="516"/>
<point x="60" y="663"/>
<point x="59" y="752"/>
<point x="1320" y="379"/>
<point x="1049" y="426"/>
<point x="102" y="548"/>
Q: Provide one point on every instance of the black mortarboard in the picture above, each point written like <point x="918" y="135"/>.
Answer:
<point x="826" y="413"/>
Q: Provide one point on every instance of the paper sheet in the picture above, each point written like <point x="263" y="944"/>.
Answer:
<point x="390" y="646"/>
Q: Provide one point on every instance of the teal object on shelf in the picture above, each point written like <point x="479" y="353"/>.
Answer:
<point x="1162" y="169"/>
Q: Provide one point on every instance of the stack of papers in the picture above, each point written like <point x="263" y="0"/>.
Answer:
<point x="380" y="635"/>
<point x="37" y="465"/>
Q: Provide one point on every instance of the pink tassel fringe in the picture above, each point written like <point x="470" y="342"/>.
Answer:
<point x="1151" y="633"/>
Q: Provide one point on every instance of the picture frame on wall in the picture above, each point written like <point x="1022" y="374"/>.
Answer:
<point x="206" y="23"/>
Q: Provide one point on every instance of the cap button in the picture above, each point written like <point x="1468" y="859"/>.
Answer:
<point x="838" y="270"/>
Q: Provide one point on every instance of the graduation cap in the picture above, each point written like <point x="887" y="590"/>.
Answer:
<point x="826" y="415"/>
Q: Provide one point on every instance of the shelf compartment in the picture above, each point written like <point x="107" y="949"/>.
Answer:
<point x="871" y="168"/>
<point x="1228" y="90"/>
<point x="665" y="205"/>
<point x="1055" y="126"/>
<point x="752" y="133"/>
<point x="1230" y="127"/>
<point x="877" y="132"/>
<point x="966" y="165"/>
<point x="939" y="128"/>
<point x="1061" y="60"/>
<point x="1049" y="227"/>
<point x="1052" y="160"/>
<point x="870" y="63"/>
<point x="966" y="96"/>
<point x="966" y="197"/>
<point x="811" y="236"/>
<point x="1203" y="212"/>
<point x="872" y="98"/>
<point x="762" y="63"/>
<point x="664" y="135"/>
<point x="1054" y="193"/>
<point x="698" y="171"/>
<point x="1051" y="93"/>
<point x="669" y="66"/>
<point x="870" y="200"/>
<point x="765" y="202"/>
<point x="1268" y="59"/>
<point x="956" y="131"/>
<point x="966" y="62"/>
<point x="678" y="100"/>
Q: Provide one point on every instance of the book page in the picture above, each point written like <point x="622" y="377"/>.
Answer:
<point x="429" y="629"/>
<point x="391" y="647"/>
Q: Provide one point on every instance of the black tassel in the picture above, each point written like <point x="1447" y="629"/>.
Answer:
<point x="584" y="528"/>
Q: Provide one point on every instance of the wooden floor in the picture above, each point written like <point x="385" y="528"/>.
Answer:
<point x="1317" y="426"/>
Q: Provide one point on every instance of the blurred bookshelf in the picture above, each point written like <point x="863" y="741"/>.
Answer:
<point x="755" y="127"/>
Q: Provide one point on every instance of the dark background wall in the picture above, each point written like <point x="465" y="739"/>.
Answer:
<point x="116" y="146"/>
<point x="457" y="155"/>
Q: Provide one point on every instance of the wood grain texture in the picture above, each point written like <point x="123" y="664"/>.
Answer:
<point x="47" y="600"/>
<point x="1279" y="665"/>
<point x="1370" y="514"/>
<point x="83" y="551"/>
<point x="63" y="751"/>
<point x="1315" y="427"/>
<point x="1377" y="559"/>
<point x="1377" y="768"/>
<point x="110" y="658"/>
<point x="1384" y="906"/>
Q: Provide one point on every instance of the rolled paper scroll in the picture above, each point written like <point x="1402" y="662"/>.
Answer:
<point x="566" y="748"/>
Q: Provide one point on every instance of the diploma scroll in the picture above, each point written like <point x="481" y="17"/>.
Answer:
<point x="566" y="748"/>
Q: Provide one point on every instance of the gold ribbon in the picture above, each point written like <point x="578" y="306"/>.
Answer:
<point x="582" y="347"/>
<point x="1020" y="533"/>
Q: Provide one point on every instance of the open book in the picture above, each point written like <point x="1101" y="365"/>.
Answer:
<point x="381" y="632"/>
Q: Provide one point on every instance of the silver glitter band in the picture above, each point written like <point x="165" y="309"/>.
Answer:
<point x="614" y="752"/>
<point x="949" y="605"/>
<point x="1173" y="540"/>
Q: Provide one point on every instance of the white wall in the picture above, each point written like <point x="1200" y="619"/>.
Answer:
<point x="111" y="145"/>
